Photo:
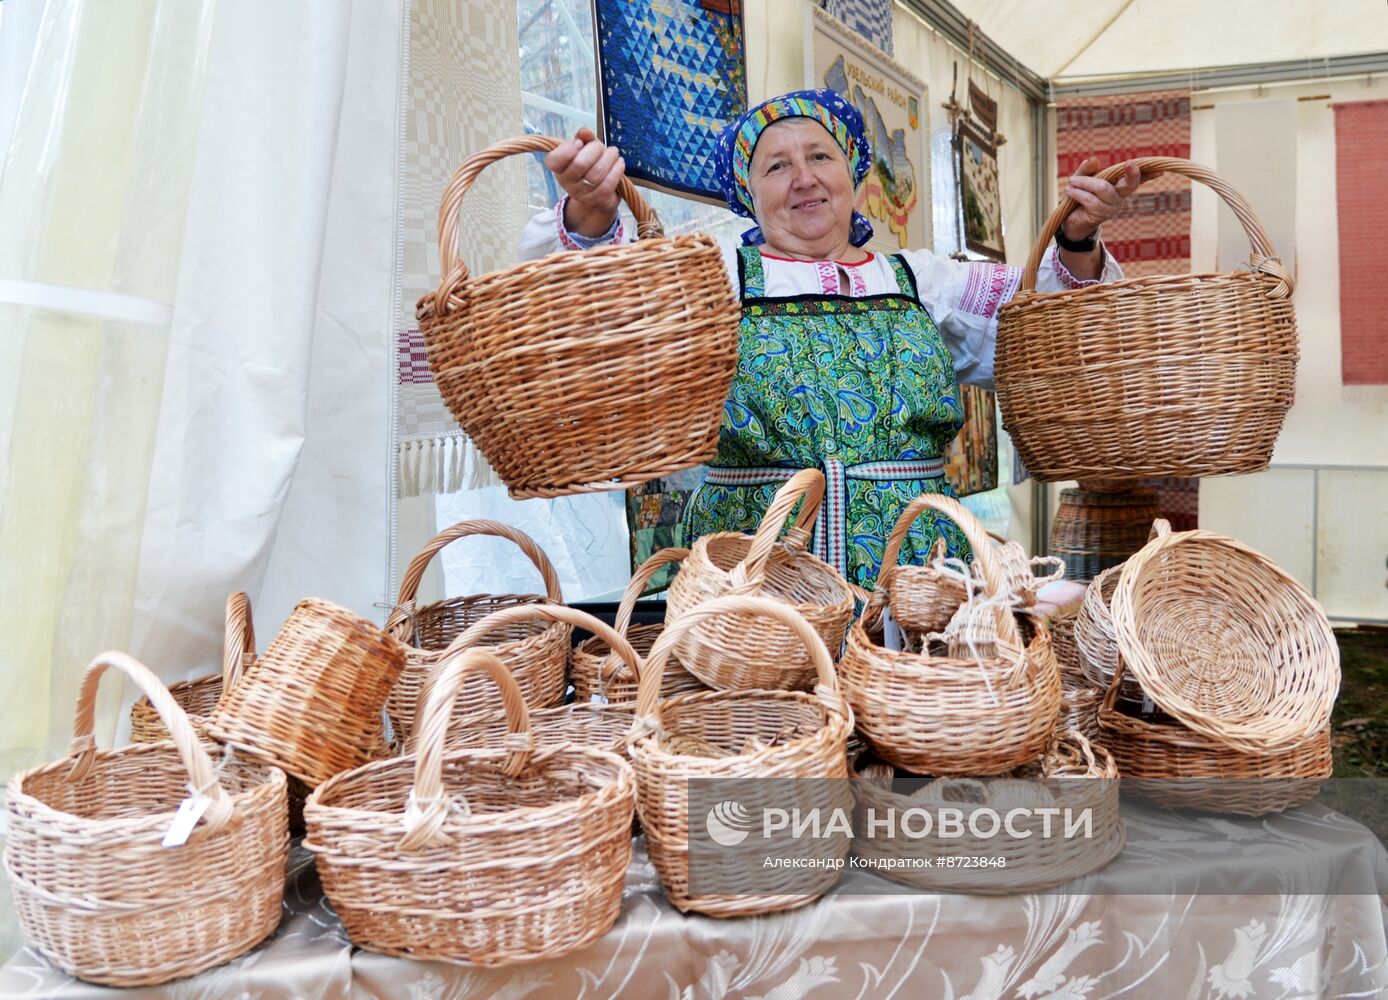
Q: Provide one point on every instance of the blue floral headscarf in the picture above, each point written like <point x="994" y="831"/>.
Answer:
<point x="738" y="140"/>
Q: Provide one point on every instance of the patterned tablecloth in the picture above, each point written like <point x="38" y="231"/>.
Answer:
<point x="859" y="942"/>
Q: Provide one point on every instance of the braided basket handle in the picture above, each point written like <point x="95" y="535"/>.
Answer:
<point x="648" y="691"/>
<point x="639" y="579"/>
<point x="401" y="620"/>
<point x="202" y="778"/>
<point x="749" y="574"/>
<point x="238" y="648"/>
<point x="426" y="809"/>
<point x="454" y="271"/>
<point x="1263" y="258"/>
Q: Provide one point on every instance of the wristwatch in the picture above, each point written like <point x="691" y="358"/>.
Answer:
<point x="1085" y="245"/>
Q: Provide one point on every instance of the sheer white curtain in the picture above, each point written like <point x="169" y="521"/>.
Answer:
<point x="197" y="214"/>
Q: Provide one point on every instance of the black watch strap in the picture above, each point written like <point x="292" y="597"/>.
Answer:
<point x="1077" y="246"/>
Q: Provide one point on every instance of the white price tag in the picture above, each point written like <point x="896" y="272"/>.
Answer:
<point x="596" y="699"/>
<point x="189" y="812"/>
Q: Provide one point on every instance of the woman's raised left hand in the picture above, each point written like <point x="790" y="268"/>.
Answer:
<point x="1098" y="200"/>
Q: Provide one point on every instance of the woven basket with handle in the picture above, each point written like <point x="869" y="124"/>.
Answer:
<point x="963" y="713"/>
<point x="484" y="856"/>
<point x="728" y="652"/>
<point x="589" y="370"/>
<point x="199" y="696"/>
<point x="1166" y="375"/>
<point x="96" y="891"/>
<point x="740" y="734"/>
<point x="535" y="651"/>
<point x="594" y="669"/>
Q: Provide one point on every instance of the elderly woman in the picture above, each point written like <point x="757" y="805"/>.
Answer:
<point x="850" y="361"/>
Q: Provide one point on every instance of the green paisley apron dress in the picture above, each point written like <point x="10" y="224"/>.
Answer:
<point x="862" y="388"/>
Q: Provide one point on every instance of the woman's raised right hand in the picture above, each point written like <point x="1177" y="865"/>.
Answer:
<point x="589" y="172"/>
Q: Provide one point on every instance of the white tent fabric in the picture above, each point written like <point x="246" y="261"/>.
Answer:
<point x="1068" y="39"/>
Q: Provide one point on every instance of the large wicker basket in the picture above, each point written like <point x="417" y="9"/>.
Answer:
<point x="1095" y="529"/>
<point x="95" y="890"/>
<point x="605" y="727"/>
<point x="488" y="857"/>
<point x="729" y="652"/>
<point x="1173" y="766"/>
<point x="1072" y="775"/>
<point x="584" y="371"/>
<point x="199" y="696"/>
<point x="963" y="714"/>
<point x="599" y="675"/>
<point x="1226" y="642"/>
<point x="534" y="651"/>
<point x="740" y="734"/>
<point x="312" y="704"/>
<point x="1166" y="375"/>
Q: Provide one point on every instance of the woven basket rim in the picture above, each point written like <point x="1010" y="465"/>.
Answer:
<point x="906" y="662"/>
<point x="650" y="748"/>
<point x="698" y="553"/>
<point x="1067" y="295"/>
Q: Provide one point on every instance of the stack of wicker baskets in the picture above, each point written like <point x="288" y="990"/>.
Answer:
<point x="1241" y="663"/>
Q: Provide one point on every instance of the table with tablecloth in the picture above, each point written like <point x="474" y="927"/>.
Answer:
<point x="869" y="938"/>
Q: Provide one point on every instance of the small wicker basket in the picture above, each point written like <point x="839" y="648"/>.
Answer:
<point x="1226" y="642"/>
<point x="739" y="734"/>
<point x="534" y="652"/>
<point x="730" y="652"/>
<point x="1165" y="375"/>
<point x="488" y="857"/>
<point x="1072" y="775"/>
<point x="583" y="371"/>
<point x="1096" y="641"/>
<point x="199" y="696"/>
<point x="963" y="714"/>
<point x="924" y="598"/>
<point x="95" y="890"/>
<point x="1178" y="768"/>
<point x="599" y="675"/>
<point x="312" y="704"/>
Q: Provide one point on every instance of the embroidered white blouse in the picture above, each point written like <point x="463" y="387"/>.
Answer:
<point x="961" y="296"/>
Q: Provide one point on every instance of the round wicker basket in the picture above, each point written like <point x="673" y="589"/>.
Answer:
<point x="1226" y="642"/>
<point x="1096" y="529"/>
<point x="740" y="734"/>
<point x="1166" y="375"/>
<point x="488" y="857"/>
<point x="977" y="713"/>
<point x="534" y="651"/>
<point x="96" y="891"/>
<point x="730" y="652"/>
<point x="1096" y="641"/>
<point x="594" y="670"/>
<point x="584" y="371"/>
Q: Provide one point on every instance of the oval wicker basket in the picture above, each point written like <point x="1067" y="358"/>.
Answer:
<point x="95" y="890"/>
<point x="579" y="723"/>
<point x="924" y="598"/>
<point x="1095" y="639"/>
<point x="312" y="704"/>
<point x="1225" y="641"/>
<point x="1166" y="375"/>
<point x="954" y="715"/>
<point x="729" y="652"/>
<point x="595" y="670"/>
<point x="1096" y="529"/>
<point x="1072" y="775"/>
<point x="593" y="370"/>
<point x="535" y="652"/>
<point x="488" y="857"/>
<point x="740" y="734"/>
<point x="199" y="696"/>
<point x="1178" y="768"/>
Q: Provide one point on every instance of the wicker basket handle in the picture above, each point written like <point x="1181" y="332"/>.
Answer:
<point x="202" y="778"/>
<point x="1263" y="258"/>
<point x="748" y="575"/>
<point x="428" y="806"/>
<point x="639" y="579"/>
<point x="401" y="621"/>
<point x="615" y="640"/>
<point x="238" y="649"/>
<point x="1161" y="528"/>
<point x="454" y="271"/>
<point x="648" y="692"/>
<point x="995" y="586"/>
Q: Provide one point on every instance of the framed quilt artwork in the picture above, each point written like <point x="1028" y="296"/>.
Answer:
<point x="980" y="195"/>
<point x="895" y="195"/>
<point x="971" y="460"/>
<point x="671" y="74"/>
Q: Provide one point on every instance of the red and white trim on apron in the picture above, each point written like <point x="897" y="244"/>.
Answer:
<point x="831" y="530"/>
